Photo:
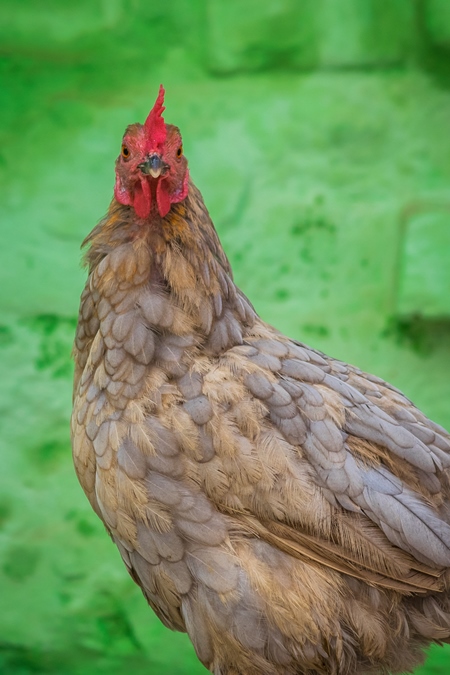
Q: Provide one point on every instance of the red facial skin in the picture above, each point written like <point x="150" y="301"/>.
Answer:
<point x="151" y="197"/>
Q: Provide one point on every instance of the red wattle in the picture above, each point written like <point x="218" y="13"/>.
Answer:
<point x="162" y="198"/>
<point x="142" y="200"/>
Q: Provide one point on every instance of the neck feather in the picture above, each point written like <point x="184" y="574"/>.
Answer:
<point x="179" y="259"/>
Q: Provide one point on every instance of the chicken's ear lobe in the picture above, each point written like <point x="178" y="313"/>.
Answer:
<point x="182" y="193"/>
<point x="155" y="125"/>
<point x="121" y="193"/>
<point x="165" y="199"/>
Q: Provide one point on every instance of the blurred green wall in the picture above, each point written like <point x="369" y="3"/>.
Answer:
<point x="318" y="132"/>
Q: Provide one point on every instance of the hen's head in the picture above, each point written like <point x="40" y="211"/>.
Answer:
<point x="151" y="170"/>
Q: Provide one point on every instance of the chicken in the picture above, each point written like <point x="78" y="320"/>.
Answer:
<point x="288" y="511"/>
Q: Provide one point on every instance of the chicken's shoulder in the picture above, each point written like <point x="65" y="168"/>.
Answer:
<point x="327" y="462"/>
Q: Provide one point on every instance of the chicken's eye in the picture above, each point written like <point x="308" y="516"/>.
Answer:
<point x="180" y="151"/>
<point x="125" y="152"/>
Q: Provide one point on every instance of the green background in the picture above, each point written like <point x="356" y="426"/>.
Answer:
<point x="318" y="132"/>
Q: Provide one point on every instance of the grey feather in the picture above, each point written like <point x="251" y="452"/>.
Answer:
<point x="414" y="522"/>
<point x="219" y="338"/>
<point x="225" y="333"/>
<point x="234" y="329"/>
<point x="114" y="388"/>
<point x="273" y="347"/>
<point x="143" y="569"/>
<point x="443" y="443"/>
<point x="164" y="439"/>
<point x="259" y="385"/>
<point x="140" y="343"/>
<point x="153" y="306"/>
<point x="135" y="373"/>
<point x="92" y="392"/>
<point x="92" y="430"/>
<point x="206" y="316"/>
<point x="321" y="458"/>
<point x="340" y="368"/>
<point x="280" y="397"/>
<point x="218" y="304"/>
<point x="205" y="446"/>
<point x="123" y="552"/>
<point x="293" y="388"/>
<point x="294" y="430"/>
<point x="287" y="411"/>
<point x="178" y="572"/>
<point x="103" y="309"/>
<point x="105" y="461"/>
<point x="211" y="533"/>
<point x="81" y="414"/>
<point x="272" y="363"/>
<point x="344" y="389"/>
<point x="168" y="465"/>
<point x="298" y="351"/>
<point x="430" y="482"/>
<point x="219" y="608"/>
<point x="109" y="340"/>
<point x="122" y="326"/>
<point x="199" y="509"/>
<point x="114" y="358"/>
<point x="106" y="324"/>
<point x="187" y="502"/>
<point x="163" y="489"/>
<point x="199" y="409"/>
<point x="305" y="372"/>
<point x="328" y="435"/>
<point x="131" y="459"/>
<point x="197" y="628"/>
<point x="363" y="423"/>
<point x="244" y="350"/>
<point x="166" y="351"/>
<point x="440" y="457"/>
<point x="102" y="439"/>
<point x="190" y="385"/>
<point x="168" y="545"/>
<point x="146" y="544"/>
<point x="424" y="434"/>
<point x="250" y="627"/>
<point x="344" y="501"/>
<point x="99" y="403"/>
<point x="214" y="567"/>
<point x="381" y="480"/>
<point x="311" y="396"/>
<point x="336" y="480"/>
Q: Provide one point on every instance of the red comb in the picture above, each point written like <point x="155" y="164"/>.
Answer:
<point x="154" y="124"/>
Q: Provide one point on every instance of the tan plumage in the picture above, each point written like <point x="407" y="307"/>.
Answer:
<point x="288" y="511"/>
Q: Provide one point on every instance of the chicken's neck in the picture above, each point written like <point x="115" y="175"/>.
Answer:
<point x="178" y="262"/>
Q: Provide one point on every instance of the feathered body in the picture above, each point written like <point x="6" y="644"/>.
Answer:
<point x="286" y="510"/>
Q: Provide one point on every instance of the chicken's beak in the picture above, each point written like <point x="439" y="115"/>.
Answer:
<point x="154" y="166"/>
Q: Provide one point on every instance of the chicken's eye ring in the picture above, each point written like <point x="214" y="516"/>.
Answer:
<point x="125" y="152"/>
<point x="180" y="151"/>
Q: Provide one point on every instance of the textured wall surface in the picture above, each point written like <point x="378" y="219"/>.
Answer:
<point x="318" y="134"/>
